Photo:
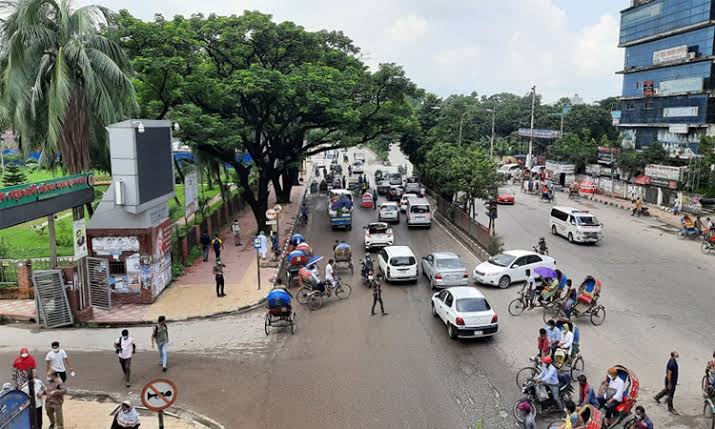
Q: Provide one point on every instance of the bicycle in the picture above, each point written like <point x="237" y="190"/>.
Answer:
<point x="709" y="395"/>
<point x="315" y="298"/>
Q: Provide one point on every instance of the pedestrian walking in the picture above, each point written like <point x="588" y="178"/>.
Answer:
<point x="236" y="230"/>
<point x="217" y="244"/>
<point x="125" y="347"/>
<point x="205" y="244"/>
<point x="671" y="381"/>
<point x="377" y="297"/>
<point x="218" y="275"/>
<point x="22" y="364"/>
<point x="374" y="200"/>
<point x="40" y="391"/>
<point x="127" y="417"/>
<point x="58" y="361"/>
<point x="263" y="248"/>
<point x="344" y="182"/>
<point x="54" y="399"/>
<point x="160" y="337"/>
<point x="275" y="245"/>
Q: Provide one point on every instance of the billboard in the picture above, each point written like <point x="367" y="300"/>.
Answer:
<point x="680" y="86"/>
<point x="656" y="171"/>
<point x="191" y="193"/>
<point x="677" y="53"/>
<point x="679" y="112"/>
<point x="540" y="133"/>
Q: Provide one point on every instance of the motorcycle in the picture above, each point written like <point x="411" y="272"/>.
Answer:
<point x="540" y="403"/>
<point x="367" y="273"/>
<point x="643" y="211"/>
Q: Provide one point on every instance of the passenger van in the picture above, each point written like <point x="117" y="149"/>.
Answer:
<point x="397" y="263"/>
<point x="419" y="212"/>
<point x="576" y="225"/>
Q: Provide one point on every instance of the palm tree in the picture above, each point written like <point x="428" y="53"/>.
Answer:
<point x="61" y="80"/>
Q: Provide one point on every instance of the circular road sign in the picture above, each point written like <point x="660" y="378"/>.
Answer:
<point x="159" y="394"/>
<point x="278" y="208"/>
<point x="271" y="214"/>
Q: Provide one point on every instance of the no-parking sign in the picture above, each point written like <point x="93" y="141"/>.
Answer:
<point x="159" y="394"/>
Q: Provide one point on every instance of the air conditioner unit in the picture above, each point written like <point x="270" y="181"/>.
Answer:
<point x="691" y="55"/>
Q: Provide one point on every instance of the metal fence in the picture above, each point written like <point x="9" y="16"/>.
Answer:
<point x="461" y="219"/>
<point x="8" y="272"/>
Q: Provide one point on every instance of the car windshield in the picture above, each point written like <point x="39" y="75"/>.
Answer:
<point x="505" y="192"/>
<point x="389" y="208"/>
<point x="419" y="209"/>
<point x="402" y="261"/>
<point x="449" y="263"/>
<point x="471" y="305"/>
<point x="587" y="221"/>
<point x="501" y="260"/>
<point x="377" y="229"/>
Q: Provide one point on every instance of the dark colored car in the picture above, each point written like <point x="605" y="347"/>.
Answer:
<point x="395" y="179"/>
<point x="378" y="175"/>
<point x="395" y="193"/>
<point x="383" y="187"/>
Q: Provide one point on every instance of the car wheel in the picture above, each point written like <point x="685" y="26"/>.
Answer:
<point x="431" y="285"/>
<point x="434" y="310"/>
<point x="570" y="238"/>
<point x="451" y="331"/>
<point x="553" y="229"/>
<point x="504" y="282"/>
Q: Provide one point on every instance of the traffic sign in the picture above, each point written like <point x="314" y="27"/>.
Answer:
<point x="159" y="394"/>
<point x="257" y="243"/>
<point x="278" y="208"/>
<point x="272" y="222"/>
<point x="271" y="214"/>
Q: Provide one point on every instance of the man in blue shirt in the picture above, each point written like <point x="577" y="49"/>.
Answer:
<point x="554" y="334"/>
<point x="642" y="421"/>
<point x="586" y="394"/>
<point x="671" y="380"/>
<point x="550" y="378"/>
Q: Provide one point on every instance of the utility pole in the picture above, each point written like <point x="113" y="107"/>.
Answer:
<point x="494" y="119"/>
<point x="529" y="158"/>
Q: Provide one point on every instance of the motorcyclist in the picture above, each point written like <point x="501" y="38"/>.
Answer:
<point x="367" y="266"/>
<point x="541" y="246"/>
<point x="637" y="207"/>
<point x="549" y="377"/>
<point x="304" y="212"/>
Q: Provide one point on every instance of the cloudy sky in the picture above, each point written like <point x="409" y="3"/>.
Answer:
<point x="457" y="46"/>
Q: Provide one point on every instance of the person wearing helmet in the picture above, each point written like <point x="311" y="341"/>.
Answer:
<point x="549" y="377"/>
<point x="613" y="394"/>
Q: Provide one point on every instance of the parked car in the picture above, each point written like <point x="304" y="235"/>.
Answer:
<point x="413" y="186"/>
<point x="444" y="269"/>
<point x="388" y="212"/>
<point x="378" y="234"/>
<point x="505" y="196"/>
<point x="466" y="312"/>
<point x="383" y="187"/>
<point x="405" y="200"/>
<point x="397" y="263"/>
<point x="395" y="193"/>
<point x="510" y="267"/>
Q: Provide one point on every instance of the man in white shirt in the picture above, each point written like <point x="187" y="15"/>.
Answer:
<point x="40" y="390"/>
<point x="330" y="273"/>
<point x="58" y="361"/>
<point x="614" y="394"/>
<point x="531" y="284"/>
<point x="125" y="347"/>
<point x="236" y="230"/>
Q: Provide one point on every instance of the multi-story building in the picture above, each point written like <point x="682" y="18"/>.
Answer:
<point x="668" y="74"/>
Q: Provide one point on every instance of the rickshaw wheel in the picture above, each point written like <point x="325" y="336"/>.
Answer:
<point x="705" y="247"/>
<point x="552" y="313"/>
<point x="556" y="424"/>
<point x="524" y="374"/>
<point x="268" y="322"/>
<point x="302" y="295"/>
<point x="598" y="315"/>
<point x="518" y="414"/>
<point x="516" y="307"/>
<point x="292" y="324"/>
<point x="343" y="290"/>
<point x="577" y="367"/>
<point x="315" y="301"/>
<point x="352" y="269"/>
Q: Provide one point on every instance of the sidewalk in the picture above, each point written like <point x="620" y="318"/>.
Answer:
<point x="193" y="295"/>
<point x="80" y="414"/>
<point x="662" y="214"/>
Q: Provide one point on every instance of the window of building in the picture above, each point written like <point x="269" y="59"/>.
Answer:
<point x="631" y="106"/>
<point x="648" y="105"/>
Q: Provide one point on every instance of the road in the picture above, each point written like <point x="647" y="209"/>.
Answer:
<point x="345" y="368"/>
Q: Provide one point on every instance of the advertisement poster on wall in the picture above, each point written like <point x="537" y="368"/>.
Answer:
<point x="79" y="237"/>
<point x="191" y="193"/>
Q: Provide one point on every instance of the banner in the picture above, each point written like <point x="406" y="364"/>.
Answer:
<point x="191" y="193"/>
<point x="79" y="237"/>
<point x="27" y="193"/>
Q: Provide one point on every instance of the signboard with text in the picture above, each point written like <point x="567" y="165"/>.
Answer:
<point x="79" y="236"/>
<point x="655" y="171"/>
<point x="681" y="86"/>
<point x="680" y="112"/>
<point x="539" y="133"/>
<point x="191" y="193"/>
<point x="677" y="53"/>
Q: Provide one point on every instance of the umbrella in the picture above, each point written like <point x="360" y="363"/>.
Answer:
<point x="545" y="272"/>
<point x="314" y="259"/>
<point x="297" y="239"/>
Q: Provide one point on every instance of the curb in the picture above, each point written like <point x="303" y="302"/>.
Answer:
<point x="479" y="251"/>
<point x="176" y="411"/>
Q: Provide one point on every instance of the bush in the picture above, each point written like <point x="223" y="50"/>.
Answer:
<point x="495" y="245"/>
<point x="63" y="234"/>
<point x="177" y="270"/>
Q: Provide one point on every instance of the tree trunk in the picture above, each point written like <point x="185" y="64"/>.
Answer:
<point x="259" y="201"/>
<point x="283" y="184"/>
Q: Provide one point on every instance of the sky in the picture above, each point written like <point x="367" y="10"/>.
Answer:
<point x="564" y="47"/>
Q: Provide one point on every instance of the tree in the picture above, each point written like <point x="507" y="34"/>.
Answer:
<point x="654" y="154"/>
<point x="631" y="163"/>
<point x="273" y="91"/>
<point x="573" y="149"/>
<point x="13" y="175"/>
<point x="61" y="80"/>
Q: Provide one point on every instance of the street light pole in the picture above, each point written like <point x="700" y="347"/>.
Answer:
<point x="529" y="159"/>
<point x="494" y="118"/>
<point x="461" y="123"/>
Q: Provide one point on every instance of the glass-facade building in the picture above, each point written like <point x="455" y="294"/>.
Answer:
<point x="668" y="73"/>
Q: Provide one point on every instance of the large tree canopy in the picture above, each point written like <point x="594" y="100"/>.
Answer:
<point x="245" y="84"/>
<point x="61" y="81"/>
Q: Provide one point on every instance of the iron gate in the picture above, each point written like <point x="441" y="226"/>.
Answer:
<point x="53" y="308"/>
<point x="100" y="294"/>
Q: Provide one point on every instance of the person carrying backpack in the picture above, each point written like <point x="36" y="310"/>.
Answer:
<point x="217" y="244"/>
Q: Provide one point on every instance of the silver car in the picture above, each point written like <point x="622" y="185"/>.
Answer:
<point x="444" y="269"/>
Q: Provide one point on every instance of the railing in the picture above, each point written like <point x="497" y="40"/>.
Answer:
<point x="8" y="267"/>
<point x="461" y="219"/>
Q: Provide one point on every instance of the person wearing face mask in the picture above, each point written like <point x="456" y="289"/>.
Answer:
<point x="23" y="363"/>
<point x="127" y="417"/>
<point x="58" y="361"/>
<point x="613" y="394"/>
<point x="641" y="421"/>
<point x="125" y="347"/>
<point x="54" y="399"/>
<point x="40" y="392"/>
<point x="671" y="380"/>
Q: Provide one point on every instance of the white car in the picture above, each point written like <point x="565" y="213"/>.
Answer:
<point x="397" y="263"/>
<point x="404" y="201"/>
<point x="510" y="267"/>
<point x="378" y="234"/>
<point x="466" y="312"/>
<point x="388" y="212"/>
<point x="358" y="167"/>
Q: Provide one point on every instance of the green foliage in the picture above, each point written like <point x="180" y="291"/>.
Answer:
<point x="655" y="154"/>
<point x="31" y="164"/>
<point x="177" y="270"/>
<point x="13" y="175"/>
<point x="495" y="245"/>
<point x="4" y="249"/>
<point x="63" y="234"/>
<point x="574" y="150"/>
<point x="631" y="163"/>
<point x="61" y="81"/>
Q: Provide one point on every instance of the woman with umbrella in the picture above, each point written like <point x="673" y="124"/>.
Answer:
<point x="546" y="274"/>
